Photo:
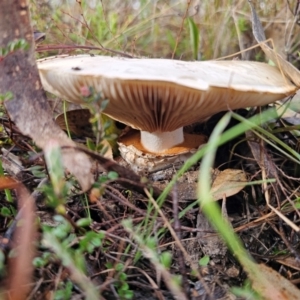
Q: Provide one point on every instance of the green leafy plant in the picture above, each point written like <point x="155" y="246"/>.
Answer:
<point x="64" y="291"/>
<point x="13" y="46"/>
<point x="61" y="239"/>
<point x="161" y="262"/>
<point x="203" y="262"/>
<point x="59" y="188"/>
<point x="5" y="211"/>
<point x="6" y="97"/>
<point x="103" y="127"/>
<point x="121" y="284"/>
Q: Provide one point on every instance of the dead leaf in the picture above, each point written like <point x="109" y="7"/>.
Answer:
<point x="261" y="155"/>
<point x="20" y="264"/>
<point x="78" y="122"/>
<point x="287" y="68"/>
<point x="228" y="183"/>
<point x="289" y="261"/>
<point x="109" y="152"/>
<point x="211" y="243"/>
<point x="225" y="183"/>
<point x="273" y="286"/>
<point x="8" y="183"/>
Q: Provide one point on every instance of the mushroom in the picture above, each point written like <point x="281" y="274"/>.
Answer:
<point x="38" y="36"/>
<point x="161" y="96"/>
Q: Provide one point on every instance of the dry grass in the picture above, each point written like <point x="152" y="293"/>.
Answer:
<point x="152" y="27"/>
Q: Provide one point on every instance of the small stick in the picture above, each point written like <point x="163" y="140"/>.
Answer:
<point x="177" y="229"/>
<point x="181" y="27"/>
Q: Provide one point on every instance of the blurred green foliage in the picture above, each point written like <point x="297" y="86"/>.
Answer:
<point x="150" y="28"/>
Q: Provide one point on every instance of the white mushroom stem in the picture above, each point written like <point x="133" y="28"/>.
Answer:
<point x="160" y="141"/>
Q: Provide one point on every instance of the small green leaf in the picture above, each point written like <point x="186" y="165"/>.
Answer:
<point x="128" y="294"/>
<point x="204" y="261"/>
<point x="5" y="97"/>
<point x="84" y="222"/>
<point x="151" y="242"/>
<point x="112" y="175"/>
<point x="91" y="145"/>
<point x="2" y="262"/>
<point x="123" y="276"/>
<point x="119" y="267"/>
<point x="39" y="262"/>
<point x="166" y="259"/>
<point x="5" y="212"/>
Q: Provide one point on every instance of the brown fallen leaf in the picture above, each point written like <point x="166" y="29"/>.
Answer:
<point x="20" y="266"/>
<point x="289" y="261"/>
<point x="261" y="155"/>
<point x="28" y="106"/>
<point x="287" y="68"/>
<point x="225" y="183"/>
<point x="108" y="152"/>
<point x="273" y="286"/>
<point x="228" y="183"/>
<point x="8" y="183"/>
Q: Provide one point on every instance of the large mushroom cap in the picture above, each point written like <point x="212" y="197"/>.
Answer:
<point x="161" y="94"/>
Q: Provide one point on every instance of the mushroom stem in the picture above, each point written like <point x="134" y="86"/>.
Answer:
<point x="160" y="141"/>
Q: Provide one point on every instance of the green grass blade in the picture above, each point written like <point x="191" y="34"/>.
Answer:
<point x="194" y="37"/>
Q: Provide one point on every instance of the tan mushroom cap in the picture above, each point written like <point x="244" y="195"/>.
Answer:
<point x="162" y="94"/>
